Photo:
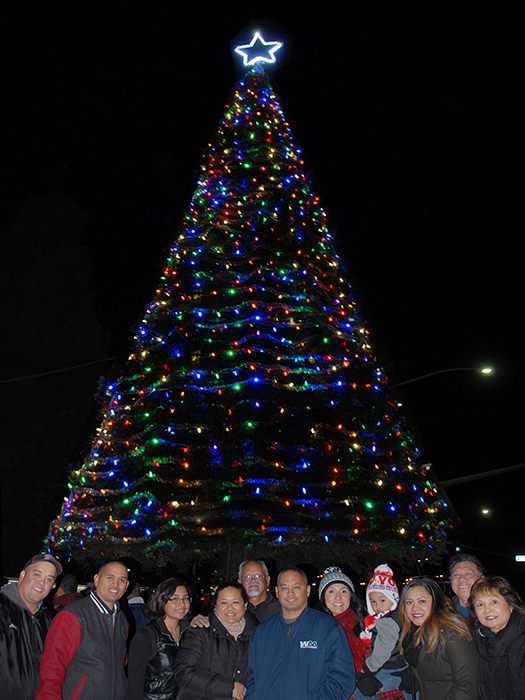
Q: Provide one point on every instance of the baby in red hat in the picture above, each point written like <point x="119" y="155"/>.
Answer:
<point x="382" y="629"/>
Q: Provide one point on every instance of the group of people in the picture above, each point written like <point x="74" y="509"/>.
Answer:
<point x="252" y="645"/>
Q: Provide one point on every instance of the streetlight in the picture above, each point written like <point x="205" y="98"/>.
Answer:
<point x="488" y="513"/>
<point x="481" y="370"/>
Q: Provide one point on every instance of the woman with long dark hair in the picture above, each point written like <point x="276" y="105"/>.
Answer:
<point x="437" y="644"/>
<point x="497" y="613"/>
<point x="337" y="598"/>
<point x="154" y="646"/>
<point x="212" y="662"/>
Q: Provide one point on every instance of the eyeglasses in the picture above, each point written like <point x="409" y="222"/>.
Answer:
<point x="177" y="599"/>
<point x="255" y="577"/>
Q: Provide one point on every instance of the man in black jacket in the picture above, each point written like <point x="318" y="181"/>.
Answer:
<point x="24" y="623"/>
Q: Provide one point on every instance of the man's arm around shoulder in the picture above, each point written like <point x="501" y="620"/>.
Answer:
<point x="62" y="642"/>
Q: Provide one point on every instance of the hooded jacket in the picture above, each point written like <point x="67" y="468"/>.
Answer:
<point x="22" y="636"/>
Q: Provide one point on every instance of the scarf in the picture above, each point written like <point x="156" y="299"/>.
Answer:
<point x="234" y="628"/>
<point x="349" y="620"/>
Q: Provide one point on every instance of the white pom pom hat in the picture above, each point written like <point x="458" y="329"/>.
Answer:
<point x="383" y="582"/>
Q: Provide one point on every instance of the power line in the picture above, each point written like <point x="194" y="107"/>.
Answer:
<point x="55" y="371"/>
<point x="481" y="475"/>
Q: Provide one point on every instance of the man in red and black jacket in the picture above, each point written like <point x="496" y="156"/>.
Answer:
<point x="85" y="649"/>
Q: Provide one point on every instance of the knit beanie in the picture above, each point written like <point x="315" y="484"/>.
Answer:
<point x="334" y="575"/>
<point x="383" y="582"/>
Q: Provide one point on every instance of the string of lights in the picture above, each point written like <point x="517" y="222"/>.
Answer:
<point x="252" y="406"/>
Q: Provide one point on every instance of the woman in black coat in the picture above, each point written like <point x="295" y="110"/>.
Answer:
<point x="498" y="614"/>
<point x="212" y="661"/>
<point x="154" y="647"/>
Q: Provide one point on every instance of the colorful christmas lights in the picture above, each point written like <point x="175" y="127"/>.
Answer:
<point x="252" y="406"/>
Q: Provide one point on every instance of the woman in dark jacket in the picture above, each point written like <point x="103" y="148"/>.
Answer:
<point x="212" y="661"/>
<point x="437" y="644"/>
<point x="154" y="646"/>
<point x="498" y="615"/>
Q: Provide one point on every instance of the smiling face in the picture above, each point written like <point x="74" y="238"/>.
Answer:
<point x="379" y="602"/>
<point x="418" y="605"/>
<point x="462" y="577"/>
<point x="292" y="593"/>
<point x="254" y="581"/>
<point x="178" y="604"/>
<point x="337" y="598"/>
<point x="35" y="582"/>
<point x="492" y="610"/>
<point x="111" y="583"/>
<point x="230" y="606"/>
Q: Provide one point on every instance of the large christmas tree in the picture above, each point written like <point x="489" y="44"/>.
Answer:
<point x="252" y="411"/>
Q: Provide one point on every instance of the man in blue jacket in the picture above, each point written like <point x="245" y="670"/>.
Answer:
<point x="301" y="654"/>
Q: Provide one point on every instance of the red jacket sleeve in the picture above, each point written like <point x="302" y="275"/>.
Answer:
<point x="62" y="642"/>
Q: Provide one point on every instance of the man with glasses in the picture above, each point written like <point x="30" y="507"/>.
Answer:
<point x="254" y="578"/>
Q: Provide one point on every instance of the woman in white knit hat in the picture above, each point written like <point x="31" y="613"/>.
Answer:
<point x="337" y="598"/>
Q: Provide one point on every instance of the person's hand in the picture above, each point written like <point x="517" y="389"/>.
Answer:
<point x="239" y="691"/>
<point x="200" y="621"/>
<point x="367" y="682"/>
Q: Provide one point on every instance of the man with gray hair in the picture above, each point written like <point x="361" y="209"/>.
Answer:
<point x="255" y="579"/>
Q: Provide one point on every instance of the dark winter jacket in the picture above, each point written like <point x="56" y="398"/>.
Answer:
<point x="502" y="661"/>
<point x="151" y="663"/>
<point x="84" y="654"/>
<point x="309" y="661"/>
<point x="22" y="636"/>
<point x="266" y="609"/>
<point x="449" y="672"/>
<point x="210" y="659"/>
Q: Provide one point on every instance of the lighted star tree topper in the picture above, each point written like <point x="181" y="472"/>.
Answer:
<point x="252" y="410"/>
<point x="258" y="50"/>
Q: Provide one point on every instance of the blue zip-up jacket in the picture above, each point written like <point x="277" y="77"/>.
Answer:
<point x="310" y="661"/>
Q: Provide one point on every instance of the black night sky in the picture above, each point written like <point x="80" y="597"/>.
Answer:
<point x="403" y="115"/>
